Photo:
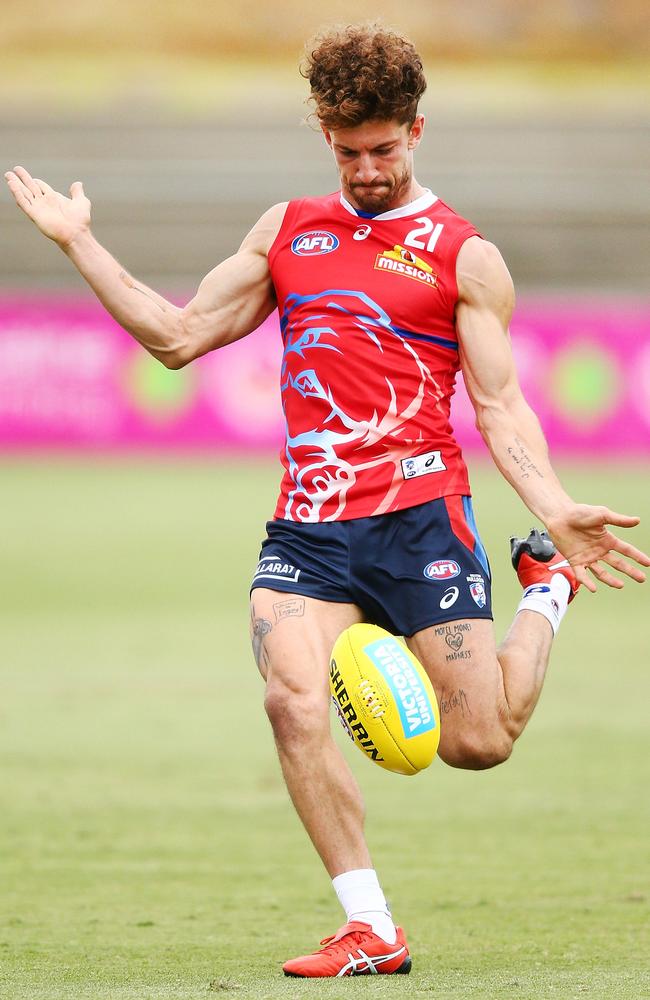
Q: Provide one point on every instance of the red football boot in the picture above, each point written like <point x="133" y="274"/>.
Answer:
<point x="536" y="560"/>
<point x="355" y="950"/>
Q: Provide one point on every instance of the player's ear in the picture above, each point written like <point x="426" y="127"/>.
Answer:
<point x="415" y="132"/>
<point x="328" y="137"/>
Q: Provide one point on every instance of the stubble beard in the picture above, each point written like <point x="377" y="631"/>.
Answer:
<point x="384" y="198"/>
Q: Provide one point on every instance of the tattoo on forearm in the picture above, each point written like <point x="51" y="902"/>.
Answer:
<point x="294" y="608"/>
<point x="453" y="701"/>
<point x="523" y="461"/>
<point x="130" y="283"/>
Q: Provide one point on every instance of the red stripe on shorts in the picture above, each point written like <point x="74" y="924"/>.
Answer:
<point x="459" y="525"/>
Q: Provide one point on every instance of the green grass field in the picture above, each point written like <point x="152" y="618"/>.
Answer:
<point x="147" y="846"/>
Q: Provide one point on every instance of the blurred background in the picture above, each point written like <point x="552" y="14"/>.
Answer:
<point x="186" y="123"/>
<point x="139" y="779"/>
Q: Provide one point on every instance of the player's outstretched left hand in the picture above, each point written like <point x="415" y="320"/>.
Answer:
<point x="582" y="536"/>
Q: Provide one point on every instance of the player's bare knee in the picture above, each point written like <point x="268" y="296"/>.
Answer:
<point x="475" y="753"/>
<point x="294" y="715"/>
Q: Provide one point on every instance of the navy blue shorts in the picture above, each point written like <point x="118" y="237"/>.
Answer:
<point x="405" y="570"/>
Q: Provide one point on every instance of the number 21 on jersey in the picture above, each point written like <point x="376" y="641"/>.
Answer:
<point x="426" y="228"/>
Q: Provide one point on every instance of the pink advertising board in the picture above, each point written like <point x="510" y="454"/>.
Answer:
<point x="71" y="378"/>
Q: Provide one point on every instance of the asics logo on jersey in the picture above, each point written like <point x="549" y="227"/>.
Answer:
<point x="362" y="233"/>
<point x="399" y="260"/>
<point x="423" y="465"/>
<point x="318" y="241"/>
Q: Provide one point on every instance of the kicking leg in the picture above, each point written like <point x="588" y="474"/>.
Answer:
<point x="486" y="695"/>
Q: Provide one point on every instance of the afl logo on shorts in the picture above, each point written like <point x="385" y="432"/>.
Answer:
<point x="315" y="242"/>
<point x="442" y="569"/>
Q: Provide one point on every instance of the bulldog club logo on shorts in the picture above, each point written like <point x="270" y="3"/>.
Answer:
<point x="477" y="589"/>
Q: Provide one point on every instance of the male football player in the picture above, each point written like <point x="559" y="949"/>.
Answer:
<point x="383" y="293"/>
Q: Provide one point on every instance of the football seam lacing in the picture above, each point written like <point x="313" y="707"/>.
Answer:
<point x="397" y="746"/>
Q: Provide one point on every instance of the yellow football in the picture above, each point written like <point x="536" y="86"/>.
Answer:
<point x="384" y="699"/>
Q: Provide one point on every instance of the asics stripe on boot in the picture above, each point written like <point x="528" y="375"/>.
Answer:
<point x="355" y="950"/>
<point x="536" y="560"/>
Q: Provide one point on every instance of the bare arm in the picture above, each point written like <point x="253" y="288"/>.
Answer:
<point x="231" y="302"/>
<point x="512" y="431"/>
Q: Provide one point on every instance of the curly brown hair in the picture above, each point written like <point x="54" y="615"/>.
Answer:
<point x="360" y="72"/>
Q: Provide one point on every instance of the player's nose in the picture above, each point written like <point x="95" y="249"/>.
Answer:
<point x="366" y="171"/>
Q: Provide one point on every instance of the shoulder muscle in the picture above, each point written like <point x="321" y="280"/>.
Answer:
<point x="261" y="237"/>
<point x="483" y="279"/>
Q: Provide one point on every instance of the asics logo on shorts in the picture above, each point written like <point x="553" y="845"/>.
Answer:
<point x="449" y="598"/>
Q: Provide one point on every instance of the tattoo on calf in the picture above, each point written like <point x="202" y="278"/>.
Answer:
<point x="294" y="608"/>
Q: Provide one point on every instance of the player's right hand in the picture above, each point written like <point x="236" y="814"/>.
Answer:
<point x="58" y="217"/>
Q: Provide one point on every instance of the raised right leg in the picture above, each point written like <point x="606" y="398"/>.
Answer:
<point x="292" y="640"/>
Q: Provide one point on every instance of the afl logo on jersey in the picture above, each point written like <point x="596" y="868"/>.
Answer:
<point x="317" y="241"/>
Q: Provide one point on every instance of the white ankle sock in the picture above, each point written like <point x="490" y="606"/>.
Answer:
<point x="548" y="599"/>
<point x="361" y="897"/>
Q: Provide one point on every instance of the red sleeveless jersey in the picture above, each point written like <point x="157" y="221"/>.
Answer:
<point x="370" y="356"/>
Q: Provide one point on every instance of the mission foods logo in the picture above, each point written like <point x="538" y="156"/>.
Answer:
<point x="316" y="242"/>
<point x="399" y="260"/>
<point x="415" y="711"/>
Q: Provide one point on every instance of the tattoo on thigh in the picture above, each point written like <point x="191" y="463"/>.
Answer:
<point x="453" y="701"/>
<point x="294" y="608"/>
<point x="453" y="628"/>
<point x="454" y="635"/>
<point x="461" y="654"/>
<point x="259" y="628"/>
<point x="454" y="641"/>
